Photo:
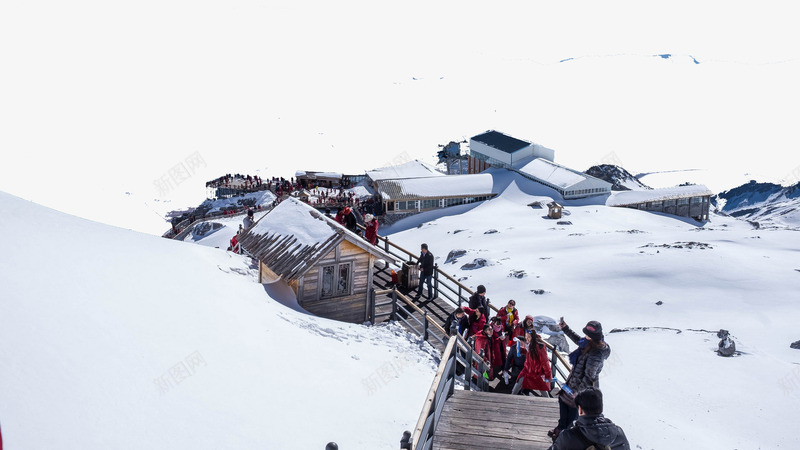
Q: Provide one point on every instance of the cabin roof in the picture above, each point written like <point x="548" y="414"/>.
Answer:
<point x="293" y="237"/>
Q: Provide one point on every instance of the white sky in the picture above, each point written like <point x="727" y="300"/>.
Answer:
<point x="106" y="98"/>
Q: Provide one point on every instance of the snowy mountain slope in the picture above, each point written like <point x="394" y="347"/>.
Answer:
<point x="666" y="387"/>
<point x="115" y="339"/>
<point x="620" y="179"/>
<point x="768" y="204"/>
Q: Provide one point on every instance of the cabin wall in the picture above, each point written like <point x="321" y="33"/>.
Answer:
<point x="347" y="308"/>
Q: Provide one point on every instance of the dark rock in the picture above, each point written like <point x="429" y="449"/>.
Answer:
<point x="458" y="231"/>
<point x="518" y="274"/>
<point x="726" y="346"/>
<point x="564" y="222"/>
<point x="491" y="232"/>
<point x="546" y="325"/>
<point x="453" y="256"/>
<point x="538" y="291"/>
<point x="559" y="341"/>
<point x="795" y="345"/>
<point x="476" y="264"/>
<point x="659" y="303"/>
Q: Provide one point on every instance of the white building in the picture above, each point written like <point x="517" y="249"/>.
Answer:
<point x="686" y="201"/>
<point x="495" y="149"/>
<point x="411" y="195"/>
<point x="567" y="182"/>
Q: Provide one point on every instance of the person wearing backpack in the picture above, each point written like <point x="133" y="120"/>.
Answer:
<point x="592" y="431"/>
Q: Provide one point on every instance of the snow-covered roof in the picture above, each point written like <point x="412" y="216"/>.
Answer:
<point x="437" y="187"/>
<point x="293" y="236"/>
<point x="553" y="173"/>
<point x="312" y="175"/>
<point x="624" y="198"/>
<point x="500" y="141"/>
<point x="411" y="169"/>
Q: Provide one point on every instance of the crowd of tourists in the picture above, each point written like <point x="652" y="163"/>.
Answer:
<point x="513" y="351"/>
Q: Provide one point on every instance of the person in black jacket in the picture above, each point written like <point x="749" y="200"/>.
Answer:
<point x="426" y="266"/>
<point x="591" y="428"/>
<point x="457" y="323"/>
<point x="479" y="299"/>
<point x="587" y="362"/>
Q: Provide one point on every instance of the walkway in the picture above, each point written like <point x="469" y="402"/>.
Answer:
<point x="473" y="420"/>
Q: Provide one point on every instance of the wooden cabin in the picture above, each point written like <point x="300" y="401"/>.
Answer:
<point x="329" y="268"/>
<point x="554" y="210"/>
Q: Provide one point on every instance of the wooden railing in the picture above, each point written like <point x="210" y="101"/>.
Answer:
<point x="458" y="354"/>
<point x="444" y="285"/>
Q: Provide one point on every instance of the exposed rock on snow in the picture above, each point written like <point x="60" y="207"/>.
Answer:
<point x="453" y="256"/>
<point x="518" y="274"/>
<point x="546" y="325"/>
<point x="795" y="345"/>
<point x="476" y="264"/>
<point x="563" y="222"/>
<point x="620" y="179"/>
<point x="538" y="291"/>
<point x="491" y="232"/>
<point x="659" y="303"/>
<point x="687" y="245"/>
<point x="726" y="346"/>
<point x="458" y="231"/>
<point x="559" y="341"/>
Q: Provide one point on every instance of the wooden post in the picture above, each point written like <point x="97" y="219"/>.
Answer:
<point x="371" y="300"/>
<point x="435" y="293"/>
<point x="553" y="362"/>
<point x="459" y="296"/>
<point x="425" y="335"/>
<point x="468" y="370"/>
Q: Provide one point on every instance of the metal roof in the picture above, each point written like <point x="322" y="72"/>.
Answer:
<point x="500" y="141"/>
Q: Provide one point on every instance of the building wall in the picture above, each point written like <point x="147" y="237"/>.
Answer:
<point x="695" y="207"/>
<point x="348" y="308"/>
<point x="544" y="153"/>
<point x="587" y="188"/>
<point x="503" y="157"/>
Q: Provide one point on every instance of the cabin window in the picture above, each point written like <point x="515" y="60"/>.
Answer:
<point x="336" y="280"/>
<point x="697" y="200"/>
<point x="430" y="204"/>
<point x="683" y="201"/>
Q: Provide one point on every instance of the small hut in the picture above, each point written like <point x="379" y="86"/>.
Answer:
<point x="554" y="210"/>
<point x="329" y="268"/>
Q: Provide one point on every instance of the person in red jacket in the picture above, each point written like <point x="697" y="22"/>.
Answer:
<point x="477" y="319"/>
<point x="522" y="329"/>
<point x="371" y="233"/>
<point x="484" y="348"/>
<point x="537" y="374"/>
<point x="510" y="316"/>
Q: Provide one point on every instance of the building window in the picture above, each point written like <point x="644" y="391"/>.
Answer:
<point x="683" y="201"/>
<point x="430" y="204"/>
<point x="669" y="203"/>
<point x="696" y="200"/>
<point x="335" y="280"/>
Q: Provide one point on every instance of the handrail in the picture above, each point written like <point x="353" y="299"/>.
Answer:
<point x="442" y="388"/>
<point x="430" y="403"/>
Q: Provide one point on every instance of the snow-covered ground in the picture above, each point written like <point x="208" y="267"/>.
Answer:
<point x="665" y="385"/>
<point x="114" y="339"/>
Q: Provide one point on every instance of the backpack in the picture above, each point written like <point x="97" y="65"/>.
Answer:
<point x="588" y="443"/>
